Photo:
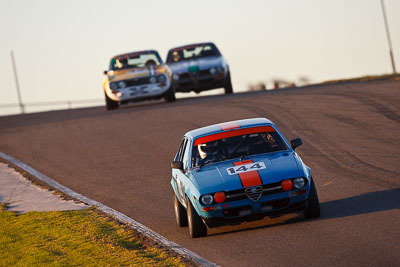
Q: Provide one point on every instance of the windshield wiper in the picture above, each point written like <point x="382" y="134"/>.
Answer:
<point x="245" y="155"/>
<point x="204" y="163"/>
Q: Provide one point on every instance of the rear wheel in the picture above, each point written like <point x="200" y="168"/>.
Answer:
<point x="170" y="94"/>
<point x="196" y="226"/>
<point x="228" y="85"/>
<point x="180" y="213"/>
<point x="110" y="104"/>
<point x="313" y="209"/>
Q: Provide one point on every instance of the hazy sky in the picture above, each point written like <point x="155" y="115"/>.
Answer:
<point x="62" y="47"/>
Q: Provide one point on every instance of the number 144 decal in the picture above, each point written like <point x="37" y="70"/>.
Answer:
<point x="254" y="166"/>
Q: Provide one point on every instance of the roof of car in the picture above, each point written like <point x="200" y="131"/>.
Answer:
<point x="136" y="53"/>
<point x="190" y="45"/>
<point x="227" y="126"/>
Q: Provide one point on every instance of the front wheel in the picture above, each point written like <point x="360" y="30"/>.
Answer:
<point x="313" y="209"/>
<point x="180" y="213"/>
<point x="228" y="85"/>
<point x="196" y="226"/>
<point x="170" y="94"/>
<point x="110" y="104"/>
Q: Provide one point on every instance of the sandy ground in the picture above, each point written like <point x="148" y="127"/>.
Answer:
<point x="23" y="196"/>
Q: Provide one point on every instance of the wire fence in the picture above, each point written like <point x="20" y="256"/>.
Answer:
<point x="43" y="106"/>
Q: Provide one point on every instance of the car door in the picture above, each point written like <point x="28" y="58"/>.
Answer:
<point x="180" y="175"/>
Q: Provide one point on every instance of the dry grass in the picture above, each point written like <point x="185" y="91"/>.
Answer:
<point x="73" y="238"/>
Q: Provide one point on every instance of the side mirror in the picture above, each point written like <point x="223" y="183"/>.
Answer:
<point x="296" y="143"/>
<point x="105" y="72"/>
<point x="177" y="165"/>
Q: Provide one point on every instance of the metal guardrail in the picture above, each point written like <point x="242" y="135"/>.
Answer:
<point x="60" y="104"/>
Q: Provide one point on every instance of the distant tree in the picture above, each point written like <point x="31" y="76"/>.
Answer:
<point x="251" y="87"/>
<point x="282" y="83"/>
<point x="304" y="80"/>
<point x="279" y="83"/>
<point x="259" y="86"/>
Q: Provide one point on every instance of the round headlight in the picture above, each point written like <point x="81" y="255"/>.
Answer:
<point x="207" y="199"/>
<point x="161" y="79"/>
<point x="113" y="86"/>
<point x="153" y="79"/>
<point x="122" y="84"/>
<point x="176" y="77"/>
<point x="213" y="70"/>
<point x="299" y="182"/>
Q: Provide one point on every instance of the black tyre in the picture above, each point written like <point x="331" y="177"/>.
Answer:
<point x="170" y="94"/>
<point x="196" y="226"/>
<point x="110" y="104"/>
<point x="228" y="85"/>
<point x="313" y="209"/>
<point x="180" y="213"/>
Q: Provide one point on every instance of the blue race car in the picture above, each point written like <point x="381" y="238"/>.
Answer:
<point x="237" y="171"/>
<point x="199" y="67"/>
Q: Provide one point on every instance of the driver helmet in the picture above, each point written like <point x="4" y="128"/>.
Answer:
<point x="175" y="56"/>
<point x="150" y="62"/>
<point x="208" y="149"/>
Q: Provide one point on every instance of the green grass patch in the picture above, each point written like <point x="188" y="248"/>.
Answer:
<point x="73" y="238"/>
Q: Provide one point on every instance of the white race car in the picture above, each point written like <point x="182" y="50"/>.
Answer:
<point x="137" y="76"/>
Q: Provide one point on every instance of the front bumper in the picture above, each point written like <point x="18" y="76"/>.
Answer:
<point x="236" y="212"/>
<point x="199" y="81"/>
<point x="138" y="91"/>
<point x="222" y="221"/>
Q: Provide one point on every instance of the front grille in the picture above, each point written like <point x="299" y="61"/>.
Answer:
<point x="204" y="72"/>
<point x="254" y="193"/>
<point x="196" y="75"/>
<point x="137" y="81"/>
<point x="267" y="189"/>
<point x="184" y="76"/>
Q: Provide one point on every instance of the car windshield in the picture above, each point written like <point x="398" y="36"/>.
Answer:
<point x="237" y="147"/>
<point x="192" y="52"/>
<point x="135" y="60"/>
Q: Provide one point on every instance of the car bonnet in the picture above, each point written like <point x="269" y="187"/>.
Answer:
<point x="131" y="73"/>
<point x="252" y="171"/>
<point x="202" y="63"/>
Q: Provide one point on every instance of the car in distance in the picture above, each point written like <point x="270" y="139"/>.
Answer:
<point x="199" y="67"/>
<point x="137" y="76"/>
<point x="237" y="171"/>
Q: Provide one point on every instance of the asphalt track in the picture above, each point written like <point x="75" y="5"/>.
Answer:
<point x="351" y="141"/>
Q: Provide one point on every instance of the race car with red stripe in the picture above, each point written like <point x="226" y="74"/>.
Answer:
<point x="228" y="173"/>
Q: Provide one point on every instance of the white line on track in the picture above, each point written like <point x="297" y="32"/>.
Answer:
<point x="328" y="183"/>
<point x="113" y="213"/>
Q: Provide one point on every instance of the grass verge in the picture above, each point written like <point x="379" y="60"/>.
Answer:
<point x="73" y="238"/>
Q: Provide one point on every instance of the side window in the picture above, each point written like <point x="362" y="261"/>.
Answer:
<point x="184" y="142"/>
<point x="185" y="159"/>
<point x="179" y="154"/>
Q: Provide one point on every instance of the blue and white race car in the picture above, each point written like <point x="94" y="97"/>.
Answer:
<point x="237" y="171"/>
<point x="199" y="67"/>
